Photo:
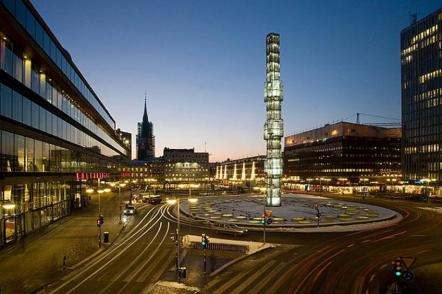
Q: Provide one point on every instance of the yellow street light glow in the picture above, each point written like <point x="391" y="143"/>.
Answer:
<point x="100" y="191"/>
<point x="9" y="206"/>
<point x="193" y="200"/>
<point x="107" y="190"/>
<point x="90" y="190"/>
<point x="122" y="185"/>
<point x="112" y="184"/>
<point x="171" y="201"/>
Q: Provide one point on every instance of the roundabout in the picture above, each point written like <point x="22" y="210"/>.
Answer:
<point x="296" y="211"/>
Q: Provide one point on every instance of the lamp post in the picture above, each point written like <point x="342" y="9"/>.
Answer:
<point x="99" y="216"/>
<point x="177" y="232"/>
<point x="178" y="238"/>
<point x="119" y="195"/>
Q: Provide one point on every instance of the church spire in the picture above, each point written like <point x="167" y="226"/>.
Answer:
<point x="145" y="118"/>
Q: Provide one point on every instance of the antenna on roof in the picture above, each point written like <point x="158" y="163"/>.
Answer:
<point x="412" y="13"/>
<point x="413" y="17"/>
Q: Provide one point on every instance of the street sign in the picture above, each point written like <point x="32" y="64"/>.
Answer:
<point x="269" y="221"/>
<point x="267" y="213"/>
<point x="408" y="276"/>
<point x="408" y="261"/>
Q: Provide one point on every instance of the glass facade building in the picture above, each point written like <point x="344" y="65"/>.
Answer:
<point x="52" y="125"/>
<point x="421" y="82"/>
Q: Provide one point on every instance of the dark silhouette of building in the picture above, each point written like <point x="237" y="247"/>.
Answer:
<point x="421" y="84"/>
<point x="145" y="138"/>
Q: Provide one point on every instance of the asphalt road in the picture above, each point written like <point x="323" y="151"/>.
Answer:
<point x="357" y="262"/>
<point x="350" y="262"/>
<point x="130" y="265"/>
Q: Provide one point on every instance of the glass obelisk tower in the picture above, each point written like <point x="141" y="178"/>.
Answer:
<point x="273" y="128"/>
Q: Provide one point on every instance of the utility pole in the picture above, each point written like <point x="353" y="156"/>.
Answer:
<point x="119" y="198"/>
<point x="178" y="241"/>
<point x="265" y="220"/>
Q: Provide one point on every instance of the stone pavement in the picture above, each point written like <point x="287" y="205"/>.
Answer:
<point x="37" y="260"/>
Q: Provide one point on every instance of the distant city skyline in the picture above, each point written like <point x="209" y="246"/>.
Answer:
<point x="203" y="64"/>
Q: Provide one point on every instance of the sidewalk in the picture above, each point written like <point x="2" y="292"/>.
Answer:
<point x="38" y="259"/>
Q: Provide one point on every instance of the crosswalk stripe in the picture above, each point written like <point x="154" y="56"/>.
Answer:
<point x="245" y="283"/>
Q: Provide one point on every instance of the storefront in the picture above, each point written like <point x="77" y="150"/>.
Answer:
<point x="29" y="207"/>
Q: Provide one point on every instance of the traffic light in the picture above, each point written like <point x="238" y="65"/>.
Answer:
<point x="100" y="220"/>
<point x="397" y="268"/>
<point x="204" y="241"/>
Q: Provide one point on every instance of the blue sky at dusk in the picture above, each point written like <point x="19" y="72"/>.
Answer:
<point x="202" y="63"/>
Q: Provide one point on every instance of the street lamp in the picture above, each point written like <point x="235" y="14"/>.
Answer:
<point x="120" y="185"/>
<point x="193" y="200"/>
<point x="9" y="206"/>
<point x="99" y="215"/>
<point x="178" y="239"/>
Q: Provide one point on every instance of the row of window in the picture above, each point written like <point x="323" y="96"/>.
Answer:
<point x="424" y="131"/>
<point x="23" y="154"/>
<point x="36" y="205"/>
<point x="19" y="108"/>
<point x="431" y="75"/>
<point x="26" y="72"/>
<point x="424" y="34"/>
<point x="428" y="95"/>
<point x="427" y="42"/>
<point x="34" y="196"/>
<point x="27" y="20"/>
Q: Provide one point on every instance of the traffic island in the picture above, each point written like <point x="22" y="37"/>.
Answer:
<point x="298" y="212"/>
<point x="204" y="259"/>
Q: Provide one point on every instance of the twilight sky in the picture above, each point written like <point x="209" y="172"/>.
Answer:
<point x="202" y="63"/>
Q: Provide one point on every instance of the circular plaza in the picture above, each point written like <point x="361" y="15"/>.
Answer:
<point x="297" y="210"/>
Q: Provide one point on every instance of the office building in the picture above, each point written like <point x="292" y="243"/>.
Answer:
<point x="421" y="84"/>
<point x="145" y="138"/>
<point x="185" y="166"/>
<point x="176" y="169"/>
<point x="343" y="154"/>
<point x="126" y="138"/>
<point x="55" y="132"/>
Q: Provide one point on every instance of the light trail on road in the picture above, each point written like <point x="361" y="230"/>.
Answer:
<point x="116" y="269"/>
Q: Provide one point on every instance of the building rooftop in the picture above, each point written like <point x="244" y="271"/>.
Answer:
<point x="341" y="129"/>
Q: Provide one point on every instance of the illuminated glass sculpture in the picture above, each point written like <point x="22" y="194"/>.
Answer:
<point x="273" y="128"/>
